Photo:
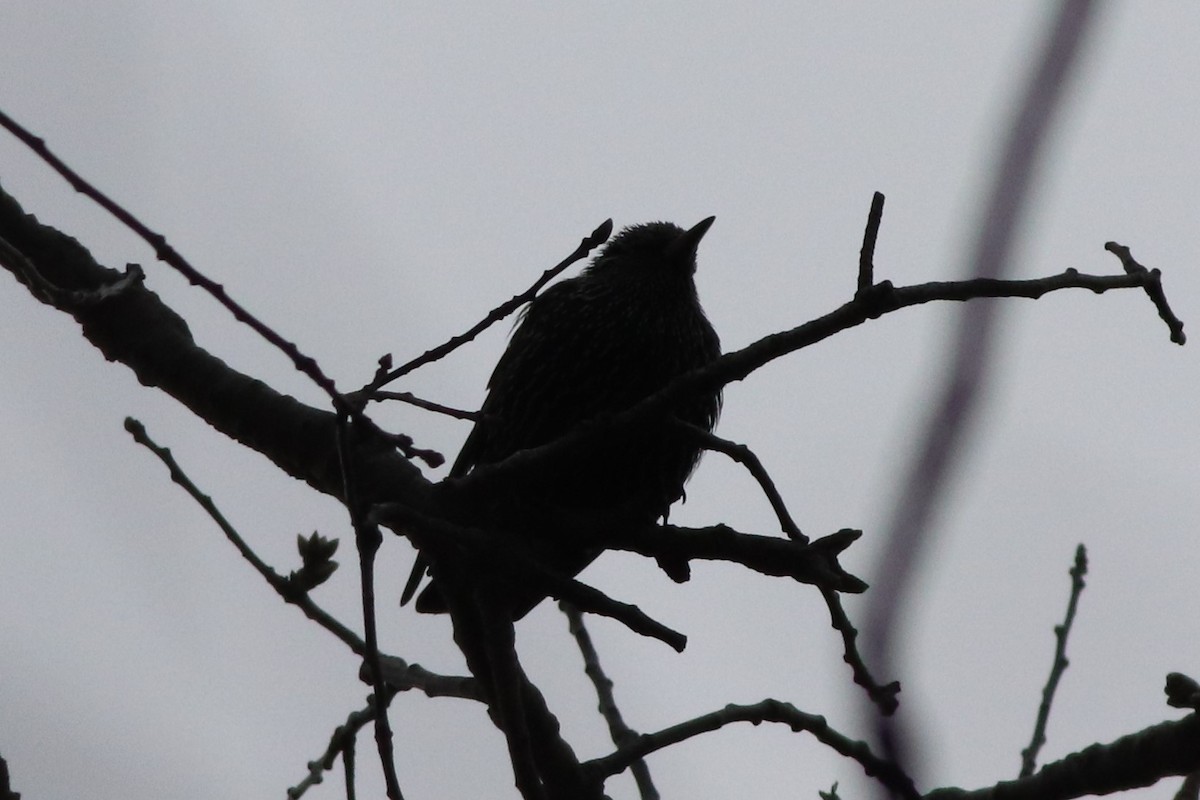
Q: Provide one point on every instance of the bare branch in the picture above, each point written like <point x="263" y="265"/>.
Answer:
<point x="1153" y="286"/>
<point x="341" y="742"/>
<point x="1061" y="632"/>
<point x="428" y="405"/>
<point x="746" y="457"/>
<point x="282" y="586"/>
<point x="1130" y="762"/>
<point x="368" y="538"/>
<point x="884" y="696"/>
<point x="765" y="711"/>
<point x="170" y="256"/>
<point x="589" y="243"/>
<point x="954" y="405"/>
<point x="505" y="558"/>
<point x="866" y="256"/>
<point x="620" y="732"/>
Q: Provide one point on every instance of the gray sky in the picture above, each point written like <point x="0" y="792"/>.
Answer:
<point x="375" y="181"/>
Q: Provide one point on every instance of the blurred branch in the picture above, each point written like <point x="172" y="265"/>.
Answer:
<point x="1190" y="788"/>
<point x="1061" y="632"/>
<point x="953" y="407"/>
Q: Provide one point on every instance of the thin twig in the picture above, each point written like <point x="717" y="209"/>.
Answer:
<point x="279" y="583"/>
<point x="620" y="732"/>
<point x="341" y="742"/>
<point x="1154" y="290"/>
<point x="428" y="405"/>
<point x="866" y="256"/>
<point x="1061" y="632"/>
<point x="170" y="256"/>
<point x="589" y="243"/>
<point x="885" y="696"/>
<point x="747" y="458"/>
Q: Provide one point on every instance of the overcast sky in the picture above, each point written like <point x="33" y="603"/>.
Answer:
<point x="374" y="180"/>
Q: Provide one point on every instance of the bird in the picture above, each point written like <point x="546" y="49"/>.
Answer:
<point x="590" y="346"/>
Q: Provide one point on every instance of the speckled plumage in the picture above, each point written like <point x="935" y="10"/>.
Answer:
<point x="595" y="345"/>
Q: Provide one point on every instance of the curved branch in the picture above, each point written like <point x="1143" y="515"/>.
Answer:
<point x="764" y="711"/>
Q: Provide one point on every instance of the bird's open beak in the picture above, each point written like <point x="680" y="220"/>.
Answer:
<point x="685" y="246"/>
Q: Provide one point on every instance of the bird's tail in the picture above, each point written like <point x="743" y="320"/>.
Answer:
<point x="420" y="567"/>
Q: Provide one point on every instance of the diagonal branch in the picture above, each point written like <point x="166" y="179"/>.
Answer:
<point x="748" y="459"/>
<point x="589" y="243"/>
<point x="1130" y="762"/>
<point x="170" y="256"/>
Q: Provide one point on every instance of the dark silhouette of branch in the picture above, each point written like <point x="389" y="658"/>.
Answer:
<point x="866" y="256"/>
<point x="1130" y="762"/>
<point x="1153" y="286"/>
<point x="502" y="558"/>
<point x="398" y="673"/>
<point x="768" y="710"/>
<point x="402" y="676"/>
<point x="620" y="732"/>
<point x="883" y="298"/>
<point x="170" y="256"/>
<point x="543" y="763"/>
<point x="884" y="696"/>
<point x="368" y="539"/>
<point x="747" y="458"/>
<point x="589" y="243"/>
<point x="1182" y="691"/>
<point x="1190" y="788"/>
<point x="341" y="743"/>
<point x="814" y="562"/>
<point x="6" y="790"/>
<point x="285" y="588"/>
<point x="1061" y="632"/>
<point x="428" y="405"/>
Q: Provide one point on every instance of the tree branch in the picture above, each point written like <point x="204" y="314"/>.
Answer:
<point x="1131" y="762"/>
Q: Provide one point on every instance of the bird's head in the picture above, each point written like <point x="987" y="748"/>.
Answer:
<point x="653" y="246"/>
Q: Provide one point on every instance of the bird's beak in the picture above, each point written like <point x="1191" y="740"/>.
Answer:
<point x="685" y="246"/>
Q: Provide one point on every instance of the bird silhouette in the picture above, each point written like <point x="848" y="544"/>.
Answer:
<point x="587" y="347"/>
